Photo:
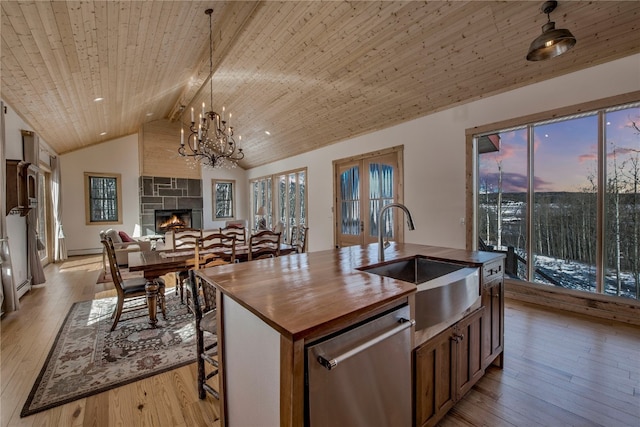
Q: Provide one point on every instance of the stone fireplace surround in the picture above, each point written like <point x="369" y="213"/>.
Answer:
<point x="169" y="193"/>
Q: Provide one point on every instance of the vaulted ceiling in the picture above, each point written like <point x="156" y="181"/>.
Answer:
<point x="311" y="73"/>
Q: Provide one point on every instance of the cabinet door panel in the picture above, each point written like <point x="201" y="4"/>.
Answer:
<point x="469" y="366"/>
<point x="434" y="386"/>
<point x="496" y="319"/>
<point x="493" y="328"/>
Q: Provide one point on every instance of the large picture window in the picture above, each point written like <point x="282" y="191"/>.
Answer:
<point x="562" y="199"/>
<point x="281" y="200"/>
<point x="103" y="198"/>
<point x="223" y="199"/>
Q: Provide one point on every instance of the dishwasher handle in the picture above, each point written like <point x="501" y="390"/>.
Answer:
<point x="332" y="363"/>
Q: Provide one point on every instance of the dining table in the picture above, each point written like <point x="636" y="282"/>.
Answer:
<point x="154" y="264"/>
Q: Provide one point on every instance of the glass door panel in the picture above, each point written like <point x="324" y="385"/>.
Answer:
<point x="362" y="188"/>
<point x="348" y="215"/>
<point x="381" y="185"/>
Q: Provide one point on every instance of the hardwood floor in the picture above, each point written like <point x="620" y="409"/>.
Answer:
<point x="560" y="369"/>
<point x="168" y="399"/>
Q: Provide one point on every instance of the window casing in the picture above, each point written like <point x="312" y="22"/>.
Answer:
<point x="103" y="198"/>
<point x="564" y="194"/>
<point x="224" y="199"/>
<point x="284" y="197"/>
<point x="44" y="178"/>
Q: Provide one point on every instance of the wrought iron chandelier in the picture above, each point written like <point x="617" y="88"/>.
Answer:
<point x="210" y="141"/>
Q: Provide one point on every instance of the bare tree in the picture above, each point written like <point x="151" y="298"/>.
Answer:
<point x="615" y="190"/>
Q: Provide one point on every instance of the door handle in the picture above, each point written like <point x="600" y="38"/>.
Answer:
<point x="332" y="363"/>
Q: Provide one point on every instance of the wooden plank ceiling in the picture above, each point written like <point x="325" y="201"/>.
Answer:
<point x="312" y="73"/>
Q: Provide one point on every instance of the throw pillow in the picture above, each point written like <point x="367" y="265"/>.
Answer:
<point x="115" y="237"/>
<point x="125" y="237"/>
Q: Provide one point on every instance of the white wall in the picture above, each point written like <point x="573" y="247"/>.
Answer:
<point x="434" y="151"/>
<point x="115" y="156"/>
<point x="237" y="174"/>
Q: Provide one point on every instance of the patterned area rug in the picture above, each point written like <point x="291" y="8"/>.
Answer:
<point x="87" y="359"/>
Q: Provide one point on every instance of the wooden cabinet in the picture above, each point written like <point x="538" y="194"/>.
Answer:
<point x="21" y="181"/>
<point x="446" y="367"/>
<point x="468" y="339"/>
<point x="449" y="364"/>
<point x="493" y="327"/>
<point x="434" y="386"/>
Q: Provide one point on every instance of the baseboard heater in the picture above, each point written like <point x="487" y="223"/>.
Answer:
<point x="89" y="251"/>
<point x="23" y="287"/>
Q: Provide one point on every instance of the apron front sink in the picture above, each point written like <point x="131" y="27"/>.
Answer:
<point x="416" y="270"/>
<point x="444" y="290"/>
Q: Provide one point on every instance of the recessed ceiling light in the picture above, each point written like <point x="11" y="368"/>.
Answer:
<point x="98" y="99"/>
<point x="267" y="132"/>
<point x="103" y="134"/>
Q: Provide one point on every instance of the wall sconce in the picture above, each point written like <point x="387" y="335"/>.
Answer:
<point x="551" y="42"/>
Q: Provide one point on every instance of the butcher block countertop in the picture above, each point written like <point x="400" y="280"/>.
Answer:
<point x="304" y="296"/>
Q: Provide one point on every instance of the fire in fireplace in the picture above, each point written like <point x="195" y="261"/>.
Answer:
<point x="171" y="219"/>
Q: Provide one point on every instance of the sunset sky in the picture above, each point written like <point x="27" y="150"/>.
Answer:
<point x="564" y="153"/>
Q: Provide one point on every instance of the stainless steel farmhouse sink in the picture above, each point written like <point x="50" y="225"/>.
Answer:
<point x="444" y="289"/>
<point x="416" y="269"/>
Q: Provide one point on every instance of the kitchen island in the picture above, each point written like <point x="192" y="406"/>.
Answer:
<point x="268" y="310"/>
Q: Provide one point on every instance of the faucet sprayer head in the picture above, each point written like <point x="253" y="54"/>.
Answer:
<point x="410" y="222"/>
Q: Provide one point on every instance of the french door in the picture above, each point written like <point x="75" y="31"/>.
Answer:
<point x="362" y="186"/>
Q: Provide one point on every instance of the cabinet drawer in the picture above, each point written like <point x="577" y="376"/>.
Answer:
<point x="492" y="273"/>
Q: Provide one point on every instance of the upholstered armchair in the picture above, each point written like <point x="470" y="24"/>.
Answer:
<point x="123" y="244"/>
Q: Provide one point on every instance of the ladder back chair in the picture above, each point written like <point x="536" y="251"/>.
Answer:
<point x="237" y="231"/>
<point x="130" y="290"/>
<point x="184" y="238"/>
<point x="217" y="248"/>
<point x="213" y="249"/>
<point x="206" y="334"/>
<point x="264" y="244"/>
<point x="301" y="239"/>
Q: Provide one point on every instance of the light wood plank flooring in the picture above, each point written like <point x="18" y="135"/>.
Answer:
<point x="560" y="369"/>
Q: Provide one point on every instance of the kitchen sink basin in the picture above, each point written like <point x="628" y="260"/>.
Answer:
<point x="444" y="290"/>
<point x="416" y="270"/>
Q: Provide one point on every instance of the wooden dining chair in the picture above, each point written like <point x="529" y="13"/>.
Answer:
<point x="264" y="244"/>
<point x="293" y="235"/>
<point x="213" y="249"/>
<point x="184" y="238"/>
<point x="206" y="334"/>
<point x="217" y="248"/>
<point x="301" y="239"/>
<point x="237" y="231"/>
<point x="130" y="290"/>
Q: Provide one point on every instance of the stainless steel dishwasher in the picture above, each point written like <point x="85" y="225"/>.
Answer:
<point x="362" y="376"/>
